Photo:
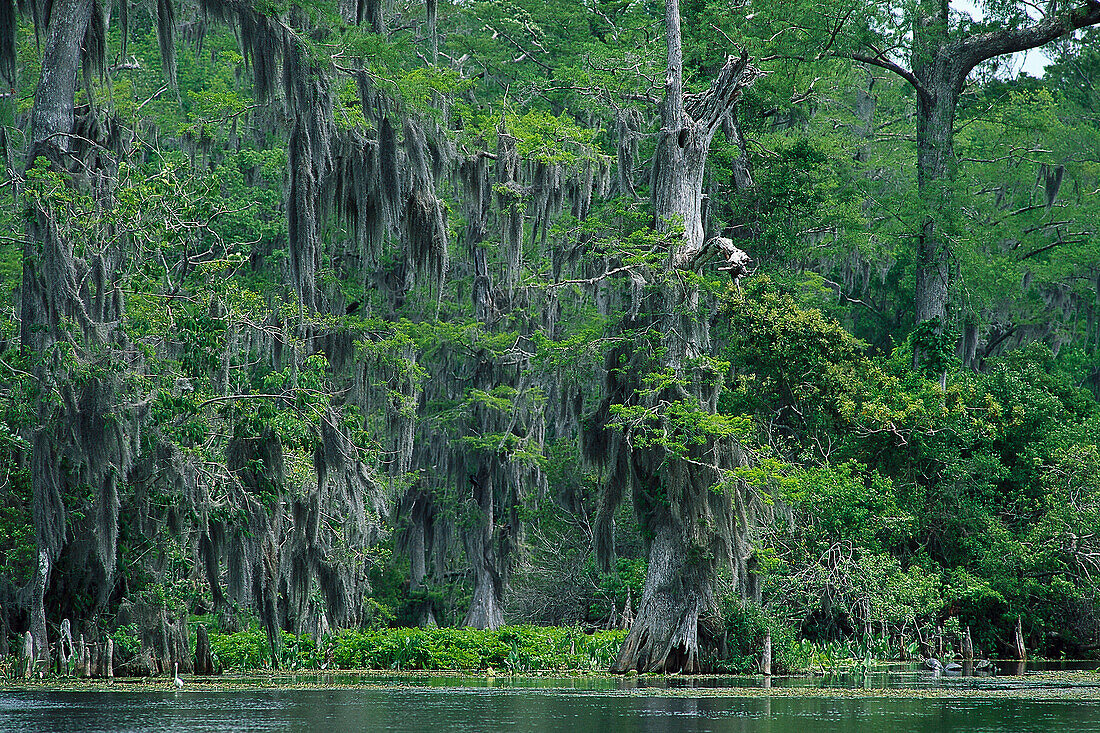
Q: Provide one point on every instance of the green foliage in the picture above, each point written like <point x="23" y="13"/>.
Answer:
<point x="932" y="347"/>
<point x="806" y="194"/>
<point x="745" y="626"/>
<point x="789" y="360"/>
<point x="897" y="504"/>
<point x="512" y="649"/>
<point x="127" y="641"/>
<point x="914" y="507"/>
<point x="17" y="538"/>
<point x="845" y="503"/>
<point x="243" y="650"/>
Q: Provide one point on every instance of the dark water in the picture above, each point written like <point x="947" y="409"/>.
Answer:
<point x="465" y="708"/>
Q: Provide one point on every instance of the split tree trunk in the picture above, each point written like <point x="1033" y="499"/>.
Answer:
<point x="679" y="589"/>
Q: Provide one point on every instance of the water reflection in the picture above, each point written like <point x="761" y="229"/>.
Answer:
<point x="889" y="676"/>
<point x="491" y="708"/>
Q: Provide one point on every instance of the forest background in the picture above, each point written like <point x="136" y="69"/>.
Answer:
<point x="357" y="315"/>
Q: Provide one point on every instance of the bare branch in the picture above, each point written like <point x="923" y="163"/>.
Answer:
<point x="884" y="63"/>
<point x="593" y="280"/>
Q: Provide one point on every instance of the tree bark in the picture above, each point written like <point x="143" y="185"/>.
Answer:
<point x="204" y="659"/>
<point x="418" y="567"/>
<point x="683" y="562"/>
<point x="679" y="588"/>
<point x="485" y="608"/>
<point x="940" y="74"/>
<point x="52" y="117"/>
<point x="486" y="611"/>
<point x="49" y="289"/>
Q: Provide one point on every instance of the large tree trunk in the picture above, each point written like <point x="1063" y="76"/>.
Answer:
<point x="487" y="545"/>
<point x="672" y="492"/>
<point x="485" y="606"/>
<point x="418" y="566"/>
<point x="486" y="611"/>
<point x="679" y="589"/>
<point x="940" y="76"/>
<point x="49" y="287"/>
<point x="52" y="117"/>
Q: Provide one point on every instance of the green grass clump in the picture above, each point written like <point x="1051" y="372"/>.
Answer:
<point x="511" y="649"/>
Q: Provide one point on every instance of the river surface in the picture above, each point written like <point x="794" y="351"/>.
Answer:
<point x="581" y="706"/>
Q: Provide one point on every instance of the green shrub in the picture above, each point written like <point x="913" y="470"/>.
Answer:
<point x="745" y="626"/>
<point x="512" y="649"/>
<point x="242" y="650"/>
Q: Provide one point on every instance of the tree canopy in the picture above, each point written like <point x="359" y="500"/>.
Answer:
<point x="701" y="319"/>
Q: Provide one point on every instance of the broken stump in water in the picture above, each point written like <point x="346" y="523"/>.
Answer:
<point x="81" y="657"/>
<point x="65" y="651"/>
<point x="1021" y="648"/>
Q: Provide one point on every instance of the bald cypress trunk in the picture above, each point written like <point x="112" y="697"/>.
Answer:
<point x="485" y="606"/>
<point x="935" y="182"/>
<point x="418" y="569"/>
<point x="672" y="494"/>
<point x="48" y="292"/>
<point x="679" y="590"/>
<point x="939" y="74"/>
<point x="492" y="524"/>
<point x="52" y="117"/>
<point x="485" y="609"/>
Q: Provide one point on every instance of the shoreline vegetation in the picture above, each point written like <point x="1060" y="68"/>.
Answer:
<point x="511" y="651"/>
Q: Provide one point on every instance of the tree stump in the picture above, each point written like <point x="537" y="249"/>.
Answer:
<point x="1021" y="649"/>
<point x="81" y="658"/>
<point x="4" y="632"/>
<point x="627" y="619"/>
<point x="204" y="659"/>
<point x="28" y="655"/>
<point x="65" y="651"/>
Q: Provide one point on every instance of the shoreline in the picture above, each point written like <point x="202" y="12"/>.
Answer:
<point x="1051" y="685"/>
